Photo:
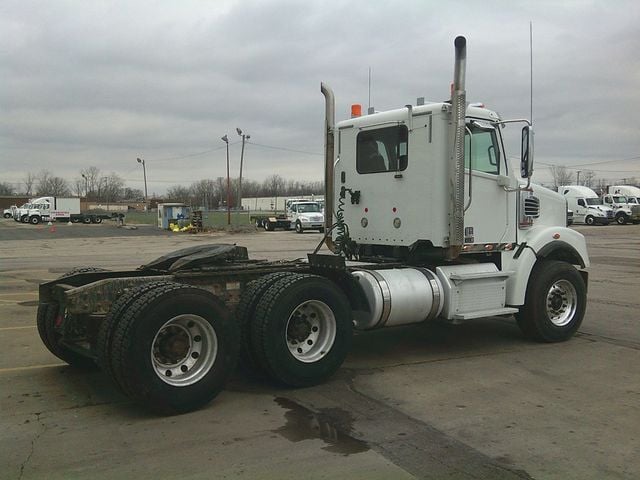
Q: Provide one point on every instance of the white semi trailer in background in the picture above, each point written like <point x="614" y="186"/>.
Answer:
<point x="52" y="209"/>
<point x="424" y="220"/>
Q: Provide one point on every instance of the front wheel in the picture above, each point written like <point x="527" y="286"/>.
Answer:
<point x="621" y="219"/>
<point x="555" y="303"/>
<point x="301" y="331"/>
<point x="299" y="227"/>
<point x="589" y="220"/>
<point x="7" y="215"/>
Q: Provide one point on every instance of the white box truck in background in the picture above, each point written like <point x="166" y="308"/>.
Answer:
<point x="587" y="207"/>
<point x="51" y="209"/>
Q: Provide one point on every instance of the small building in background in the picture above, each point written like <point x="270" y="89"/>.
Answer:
<point x="172" y="213"/>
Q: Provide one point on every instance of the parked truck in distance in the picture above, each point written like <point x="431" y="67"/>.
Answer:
<point x="624" y="211"/>
<point x="52" y="209"/>
<point x="631" y="192"/>
<point x="306" y="215"/>
<point x="8" y="212"/>
<point x="587" y="207"/>
<point x="424" y="220"/>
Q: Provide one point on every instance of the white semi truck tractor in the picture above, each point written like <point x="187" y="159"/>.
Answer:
<point x="424" y="221"/>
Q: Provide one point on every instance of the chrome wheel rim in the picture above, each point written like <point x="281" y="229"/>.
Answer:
<point x="561" y="303"/>
<point x="184" y="350"/>
<point x="310" y="331"/>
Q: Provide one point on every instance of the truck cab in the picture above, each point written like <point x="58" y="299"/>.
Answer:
<point x="624" y="211"/>
<point x="587" y="207"/>
<point x="306" y="215"/>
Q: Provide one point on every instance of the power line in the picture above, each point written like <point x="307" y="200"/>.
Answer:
<point x="284" y="149"/>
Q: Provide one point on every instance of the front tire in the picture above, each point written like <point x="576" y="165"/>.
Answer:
<point x="174" y="348"/>
<point x="301" y="332"/>
<point x="621" y="219"/>
<point x="555" y="303"/>
<point x="299" y="227"/>
<point x="589" y="220"/>
<point x="7" y="215"/>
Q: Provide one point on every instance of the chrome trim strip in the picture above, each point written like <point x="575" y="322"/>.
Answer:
<point x="435" y="289"/>
<point x="386" y="298"/>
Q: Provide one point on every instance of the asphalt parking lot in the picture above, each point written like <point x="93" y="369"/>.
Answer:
<point x="423" y="401"/>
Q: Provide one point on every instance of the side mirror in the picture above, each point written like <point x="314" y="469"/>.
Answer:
<point x="526" y="152"/>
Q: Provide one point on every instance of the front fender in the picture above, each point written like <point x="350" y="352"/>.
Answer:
<point x="541" y="243"/>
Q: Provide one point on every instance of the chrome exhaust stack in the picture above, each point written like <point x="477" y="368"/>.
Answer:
<point x="329" y="158"/>
<point x="456" y="161"/>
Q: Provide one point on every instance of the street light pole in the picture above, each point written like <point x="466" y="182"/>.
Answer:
<point x="144" y="172"/>
<point x="86" y="186"/>
<point x="247" y="137"/>
<point x="225" y="139"/>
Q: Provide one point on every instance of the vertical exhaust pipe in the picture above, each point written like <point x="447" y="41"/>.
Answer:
<point x="329" y="157"/>
<point x="456" y="160"/>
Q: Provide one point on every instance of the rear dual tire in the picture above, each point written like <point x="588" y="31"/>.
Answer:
<point x="301" y="331"/>
<point x="48" y="319"/>
<point x="169" y="347"/>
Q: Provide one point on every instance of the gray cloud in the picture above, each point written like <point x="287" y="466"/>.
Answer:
<point x="101" y="83"/>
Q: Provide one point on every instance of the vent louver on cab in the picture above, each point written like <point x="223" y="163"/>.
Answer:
<point x="532" y="207"/>
<point x="529" y="209"/>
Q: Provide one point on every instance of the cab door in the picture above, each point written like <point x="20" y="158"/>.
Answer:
<point x="491" y="216"/>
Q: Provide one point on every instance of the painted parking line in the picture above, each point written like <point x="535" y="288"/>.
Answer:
<point x="31" y="367"/>
<point x="17" y="328"/>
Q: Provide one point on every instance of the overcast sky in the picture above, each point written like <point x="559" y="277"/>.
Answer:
<point x="97" y="83"/>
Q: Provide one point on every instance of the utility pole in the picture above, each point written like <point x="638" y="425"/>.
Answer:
<point x="86" y="185"/>
<point x="144" y="172"/>
<point x="225" y="139"/>
<point x="247" y="137"/>
<point x="578" y="179"/>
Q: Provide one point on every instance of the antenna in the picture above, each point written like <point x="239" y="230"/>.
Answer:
<point x="369" y="105"/>
<point x="531" y="71"/>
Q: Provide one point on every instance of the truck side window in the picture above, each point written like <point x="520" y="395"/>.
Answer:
<point x="581" y="202"/>
<point x="382" y="150"/>
<point x="484" y="151"/>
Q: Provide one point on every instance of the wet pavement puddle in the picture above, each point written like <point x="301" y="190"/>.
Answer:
<point x="332" y="426"/>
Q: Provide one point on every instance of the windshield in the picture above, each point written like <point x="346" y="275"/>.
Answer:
<point x="308" y="207"/>
<point x="619" y="199"/>
<point x="594" y="201"/>
<point x="633" y="200"/>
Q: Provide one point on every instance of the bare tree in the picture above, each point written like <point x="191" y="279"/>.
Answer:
<point x="6" y="189"/>
<point x="28" y="181"/>
<point x="589" y="178"/>
<point x="274" y="185"/>
<point x="51" y="185"/>
<point x="92" y="179"/>
<point x="561" y="176"/>
<point x="110" y="188"/>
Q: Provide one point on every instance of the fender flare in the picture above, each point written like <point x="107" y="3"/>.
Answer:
<point x="541" y="245"/>
<point x="560" y="250"/>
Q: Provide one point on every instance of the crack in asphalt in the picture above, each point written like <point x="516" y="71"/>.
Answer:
<point x="409" y="443"/>
<point x="33" y="444"/>
<point x="593" y="337"/>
